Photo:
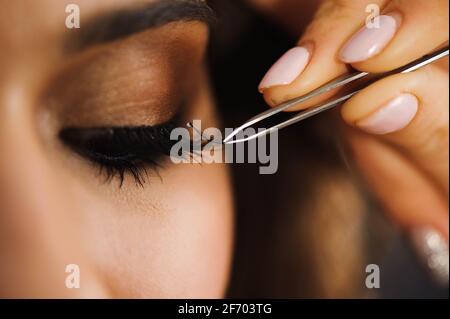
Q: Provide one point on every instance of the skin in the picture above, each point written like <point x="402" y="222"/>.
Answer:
<point x="160" y="240"/>
<point x="407" y="169"/>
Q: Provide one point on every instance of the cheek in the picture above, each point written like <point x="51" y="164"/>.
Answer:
<point x="172" y="239"/>
<point x="201" y="238"/>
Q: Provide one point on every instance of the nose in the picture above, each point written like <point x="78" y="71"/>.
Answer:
<point x="38" y="234"/>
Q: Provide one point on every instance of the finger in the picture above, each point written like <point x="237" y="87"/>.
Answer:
<point x="409" y="199"/>
<point x="407" y="194"/>
<point x="409" y="111"/>
<point x="314" y="61"/>
<point x="406" y="31"/>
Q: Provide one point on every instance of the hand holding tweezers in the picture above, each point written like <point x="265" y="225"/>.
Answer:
<point x="337" y="83"/>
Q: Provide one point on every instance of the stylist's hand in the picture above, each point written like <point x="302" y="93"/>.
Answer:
<point x="398" y="126"/>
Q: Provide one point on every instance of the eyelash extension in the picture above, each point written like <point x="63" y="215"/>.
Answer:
<point x="121" y="150"/>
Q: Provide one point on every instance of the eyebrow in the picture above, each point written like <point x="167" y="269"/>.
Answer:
<point x="118" y="24"/>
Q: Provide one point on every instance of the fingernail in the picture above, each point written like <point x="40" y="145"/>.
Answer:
<point x="432" y="249"/>
<point x="391" y="117"/>
<point x="286" y="69"/>
<point x="370" y="40"/>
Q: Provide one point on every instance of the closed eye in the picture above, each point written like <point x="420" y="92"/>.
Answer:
<point x="121" y="150"/>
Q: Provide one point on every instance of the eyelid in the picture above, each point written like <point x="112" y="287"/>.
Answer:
<point x="120" y="150"/>
<point x="146" y="76"/>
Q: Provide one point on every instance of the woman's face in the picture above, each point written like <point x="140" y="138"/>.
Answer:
<point x="170" y="236"/>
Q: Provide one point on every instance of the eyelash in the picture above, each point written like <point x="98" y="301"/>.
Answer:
<point x="121" y="150"/>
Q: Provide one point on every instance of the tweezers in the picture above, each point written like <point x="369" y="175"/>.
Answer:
<point x="339" y="82"/>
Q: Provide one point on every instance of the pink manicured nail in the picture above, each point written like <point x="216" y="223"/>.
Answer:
<point x="369" y="41"/>
<point x="286" y="69"/>
<point x="393" y="116"/>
